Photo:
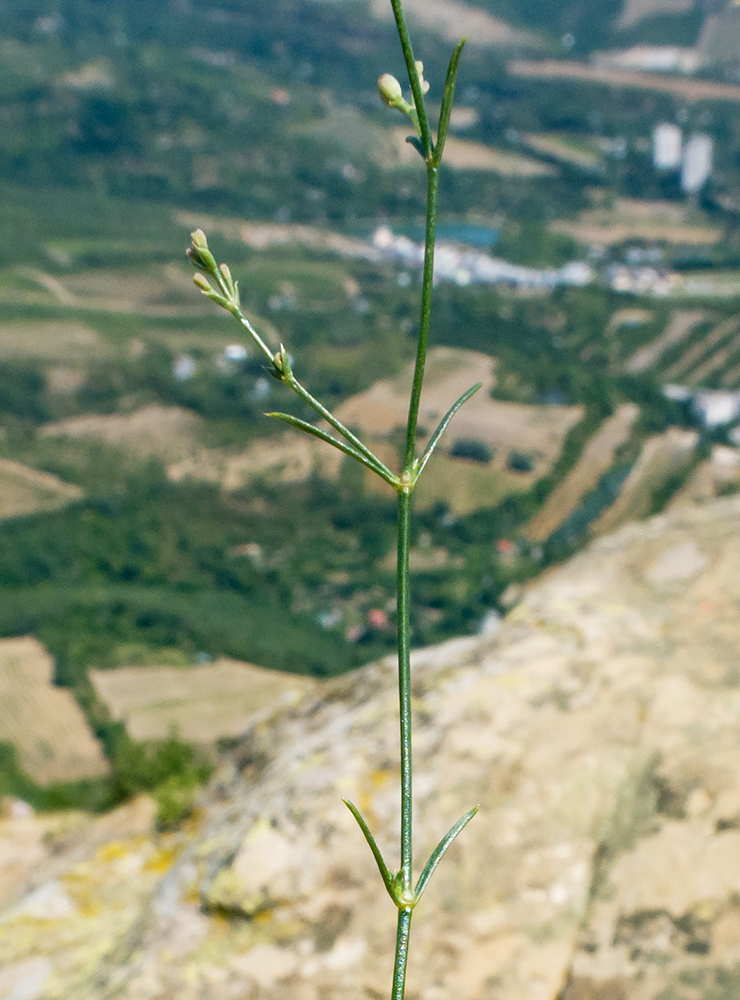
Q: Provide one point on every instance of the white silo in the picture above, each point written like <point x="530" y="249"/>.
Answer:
<point x="697" y="163"/>
<point x="667" y="143"/>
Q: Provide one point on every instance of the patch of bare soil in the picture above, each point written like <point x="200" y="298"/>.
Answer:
<point x="636" y="219"/>
<point x="42" y="721"/>
<point x="637" y="10"/>
<point x="464" y="154"/>
<point x="166" y="432"/>
<point x="52" y="341"/>
<point x="261" y="235"/>
<point x="202" y="703"/>
<point x="453" y="20"/>
<point x="24" y="490"/>
<point x="689" y="90"/>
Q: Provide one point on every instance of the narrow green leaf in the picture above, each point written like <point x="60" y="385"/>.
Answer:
<point x="447" y="98"/>
<point x="415" y="141"/>
<point x="435" y="438"/>
<point x="382" y="867"/>
<point x="303" y="425"/>
<point x="439" y="851"/>
<point x="346" y="433"/>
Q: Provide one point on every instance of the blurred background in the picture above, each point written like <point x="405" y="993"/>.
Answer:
<point x="158" y="534"/>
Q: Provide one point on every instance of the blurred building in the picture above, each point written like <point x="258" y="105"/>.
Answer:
<point x="697" y="163"/>
<point x="667" y="146"/>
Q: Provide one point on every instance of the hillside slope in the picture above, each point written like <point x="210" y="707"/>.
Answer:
<point x="598" y="730"/>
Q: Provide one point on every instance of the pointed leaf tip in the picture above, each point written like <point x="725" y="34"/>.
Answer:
<point x="436" y="437"/>
<point x="441" y="848"/>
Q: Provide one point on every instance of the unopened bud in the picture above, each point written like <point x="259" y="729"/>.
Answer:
<point x="199" y="240"/>
<point x="390" y="91"/>
<point x="420" y="72"/>
<point x="202" y="282"/>
<point x="226" y="275"/>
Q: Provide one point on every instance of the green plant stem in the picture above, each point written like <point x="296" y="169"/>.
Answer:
<point x="404" y="680"/>
<point x="408" y="55"/>
<point x="402" y="954"/>
<point x="426" y="305"/>
<point x="306" y="396"/>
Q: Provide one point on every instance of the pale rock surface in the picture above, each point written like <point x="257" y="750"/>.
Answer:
<point x="599" y="729"/>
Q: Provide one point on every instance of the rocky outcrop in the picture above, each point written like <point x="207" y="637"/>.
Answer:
<point x="599" y="730"/>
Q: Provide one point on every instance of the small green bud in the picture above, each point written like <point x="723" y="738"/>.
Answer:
<point x="281" y="361"/>
<point x="202" y="282"/>
<point x="226" y="275"/>
<point x="199" y="254"/>
<point x="390" y="91"/>
<point x="420" y="72"/>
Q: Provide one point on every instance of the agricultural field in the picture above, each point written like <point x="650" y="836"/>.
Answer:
<point x="595" y="460"/>
<point x="567" y="148"/>
<point x="464" y="154"/>
<point x="680" y="87"/>
<point x="24" y="490"/>
<point x="44" y="722"/>
<point x="169" y="433"/>
<point x="696" y="348"/>
<point x="633" y="219"/>
<point x="715" y="476"/>
<point x="200" y="703"/>
<point x="662" y="457"/>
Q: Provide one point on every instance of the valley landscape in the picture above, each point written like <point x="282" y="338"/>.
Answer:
<point x="176" y="570"/>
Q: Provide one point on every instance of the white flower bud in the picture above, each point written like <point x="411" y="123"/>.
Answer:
<point x="390" y="90"/>
<point x="420" y="71"/>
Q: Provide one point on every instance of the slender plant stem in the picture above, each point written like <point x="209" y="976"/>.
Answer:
<point x="402" y="954"/>
<point x="404" y="681"/>
<point x="408" y="55"/>
<point x="305" y="395"/>
<point x="426" y="306"/>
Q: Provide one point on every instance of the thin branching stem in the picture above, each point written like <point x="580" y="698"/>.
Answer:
<point x="398" y="884"/>
<point x="426" y="308"/>
<point x="337" y="424"/>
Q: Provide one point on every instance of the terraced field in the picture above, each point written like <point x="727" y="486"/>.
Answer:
<point x="44" y="722"/>
<point x="661" y="458"/>
<point x="596" y="459"/>
<point x="696" y="348"/>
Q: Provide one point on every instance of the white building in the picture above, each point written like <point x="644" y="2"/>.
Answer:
<point x="667" y="146"/>
<point x="697" y="163"/>
<point x="715" y="407"/>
